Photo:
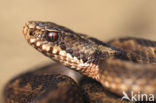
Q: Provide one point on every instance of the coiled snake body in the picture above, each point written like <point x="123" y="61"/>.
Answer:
<point x="121" y="65"/>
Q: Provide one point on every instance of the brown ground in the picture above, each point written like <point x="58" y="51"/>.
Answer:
<point x="100" y="18"/>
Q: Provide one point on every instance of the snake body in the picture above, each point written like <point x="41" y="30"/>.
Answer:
<point x="125" y="64"/>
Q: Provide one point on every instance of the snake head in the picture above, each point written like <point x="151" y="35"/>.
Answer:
<point x="61" y="44"/>
<point x="57" y="41"/>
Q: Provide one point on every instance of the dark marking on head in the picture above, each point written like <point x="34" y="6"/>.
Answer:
<point x="69" y="50"/>
<point x="62" y="46"/>
<point x="84" y="57"/>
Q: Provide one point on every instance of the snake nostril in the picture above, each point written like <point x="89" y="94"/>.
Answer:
<point x="31" y="33"/>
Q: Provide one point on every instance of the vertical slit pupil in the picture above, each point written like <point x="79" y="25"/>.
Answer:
<point x="52" y="36"/>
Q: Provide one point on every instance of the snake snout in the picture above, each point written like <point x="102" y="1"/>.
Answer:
<point x="25" y="31"/>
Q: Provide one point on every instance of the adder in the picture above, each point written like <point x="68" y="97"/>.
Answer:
<point x="120" y="65"/>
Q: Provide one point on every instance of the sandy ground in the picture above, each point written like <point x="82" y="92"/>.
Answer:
<point x="104" y="19"/>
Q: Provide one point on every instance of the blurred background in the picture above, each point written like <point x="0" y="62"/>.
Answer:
<point x="103" y="19"/>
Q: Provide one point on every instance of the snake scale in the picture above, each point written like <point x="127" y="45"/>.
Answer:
<point x="125" y="64"/>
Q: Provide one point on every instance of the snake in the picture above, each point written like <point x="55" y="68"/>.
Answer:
<point x="110" y="68"/>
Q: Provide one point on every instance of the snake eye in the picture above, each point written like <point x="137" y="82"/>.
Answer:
<point x="52" y="36"/>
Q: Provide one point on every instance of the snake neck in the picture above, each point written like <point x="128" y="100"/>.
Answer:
<point x="84" y="55"/>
